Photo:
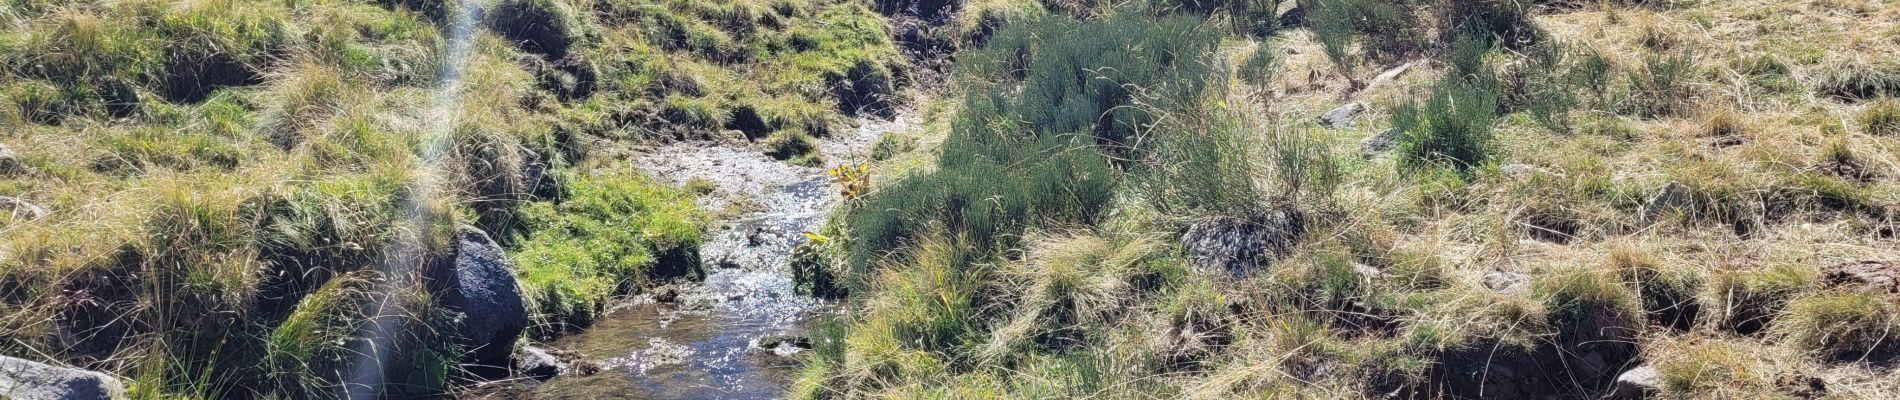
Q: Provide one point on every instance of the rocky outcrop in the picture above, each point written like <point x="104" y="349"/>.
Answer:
<point x="484" y="290"/>
<point x="1236" y="247"/>
<point x="27" y="380"/>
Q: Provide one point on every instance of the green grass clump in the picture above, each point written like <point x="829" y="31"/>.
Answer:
<point x="1546" y="87"/>
<point x="1668" y="294"/>
<point x="1453" y="128"/>
<point x="548" y="28"/>
<point x="1261" y="65"/>
<point x="1082" y="75"/>
<point x="1748" y="301"/>
<point x="1709" y="369"/>
<point x="613" y="233"/>
<point x="1882" y="118"/>
<point x="795" y="147"/>
<point x="1055" y="134"/>
<point x="1592" y="313"/>
<point x="1503" y="23"/>
<point x="1380" y="30"/>
<point x="1844" y="327"/>
<point x="318" y="347"/>
<point x="1662" y="86"/>
<point x="1858" y="80"/>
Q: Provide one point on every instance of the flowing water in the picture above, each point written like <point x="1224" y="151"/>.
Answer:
<point x="705" y="343"/>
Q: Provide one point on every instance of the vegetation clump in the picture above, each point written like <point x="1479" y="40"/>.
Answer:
<point x="1844" y="327"/>
<point x="612" y="234"/>
<point x="1882" y="117"/>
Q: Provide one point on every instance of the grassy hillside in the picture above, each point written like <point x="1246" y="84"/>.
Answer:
<point x="206" y="193"/>
<point x="1573" y="190"/>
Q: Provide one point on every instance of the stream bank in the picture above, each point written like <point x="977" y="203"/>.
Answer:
<point x="703" y="339"/>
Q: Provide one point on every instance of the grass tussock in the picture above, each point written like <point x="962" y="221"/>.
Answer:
<point x="611" y="234"/>
<point x="1882" y="118"/>
<point x="1843" y="327"/>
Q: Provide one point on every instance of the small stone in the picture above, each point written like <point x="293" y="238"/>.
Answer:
<point x="21" y="208"/>
<point x="1517" y="171"/>
<point x="1380" y="143"/>
<point x="10" y="163"/>
<point x="1368" y="271"/>
<point x="28" y="380"/>
<point x="1637" y="383"/>
<point x="784" y="345"/>
<point x="1507" y="282"/>
<point x="667" y="294"/>
<point x="1342" y="117"/>
<point x="537" y="363"/>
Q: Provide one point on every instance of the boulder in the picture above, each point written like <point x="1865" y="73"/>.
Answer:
<point x="27" y="380"/>
<point x="484" y="290"/>
<point x="1342" y="117"/>
<point x="1380" y="143"/>
<point x="1507" y="282"/>
<point x="1235" y="247"/>
<point x="1637" y="383"/>
<point x="1881" y="276"/>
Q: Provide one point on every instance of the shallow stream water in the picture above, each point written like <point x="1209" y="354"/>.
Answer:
<point x="704" y="341"/>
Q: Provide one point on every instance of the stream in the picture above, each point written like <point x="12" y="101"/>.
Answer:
<point x="703" y="340"/>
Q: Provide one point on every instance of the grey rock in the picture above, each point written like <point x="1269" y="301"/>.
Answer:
<point x="10" y="163"/>
<point x="27" y="380"/>
<point x="539" y="364"/>
<point x="484" y="290"/>
<point x="1507" y="282"/>
<point x="1380" y="143"/>
<point x="1237" y="247"/>
<point x="1637" y="383"/>
<point x="1342" y="117"/>
<point x="22" y="209"/>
